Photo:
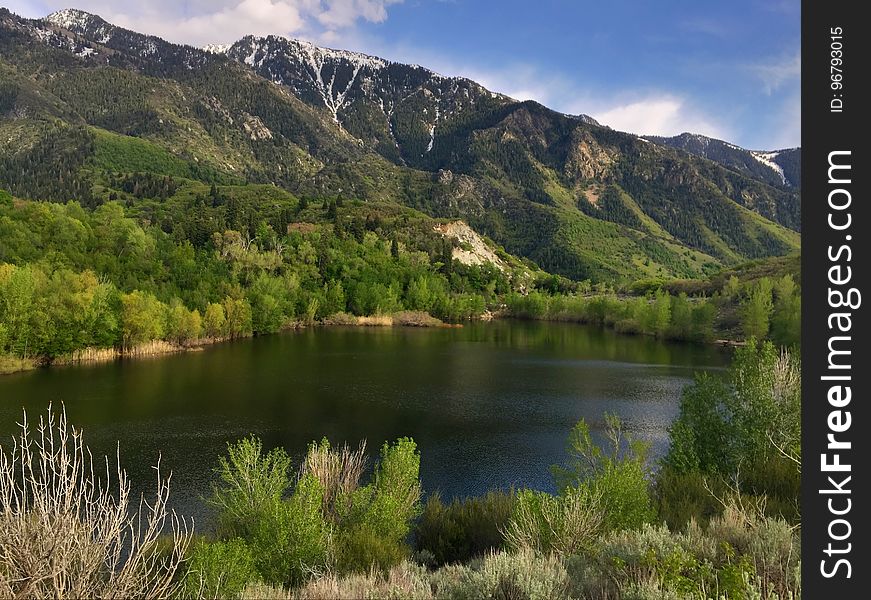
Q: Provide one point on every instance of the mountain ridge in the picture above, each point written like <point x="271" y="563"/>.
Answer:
<point x="782" y="166"/>
<point x="574" y="196"/>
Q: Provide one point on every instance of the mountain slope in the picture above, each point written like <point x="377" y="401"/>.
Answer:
<point x="778" y="168"/>
<point x="83" y="104"/>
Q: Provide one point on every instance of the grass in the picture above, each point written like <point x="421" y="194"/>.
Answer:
<point x="405" y="318"/>
<point x="13" y="364"/>
<point x="126" y="154"/>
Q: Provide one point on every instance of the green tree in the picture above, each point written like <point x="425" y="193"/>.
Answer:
<point x="756" y="310"/>
<point x="681" y="318"/>
<point x="142" y="318"/>
<point x="214" y="321"/>
<point x="745" y="420"/>
<point x="250" y="482"/>
<point x="17" y="297"/>
<point x="268" y="298"/>
<point x="238" y="317"/>
<point x="182" y="325"/>
<point x="786" y="317"/>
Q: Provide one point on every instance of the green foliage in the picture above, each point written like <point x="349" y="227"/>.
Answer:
<point x="786" y="319"/>
<point x="219" y="569"/>
<point x="251" y="484"/>
<point x="701" y="436"/>
<point x="361" y="549"/>
<point x="143" y="318"/>
<point x="127" y="154"/>
<point x="618" y="476"/>
<point x="504" y="576"/>
<point x="53" y="313"/>
<point x="756" y="310"/>
<point x="291" y="539"/>
<point x="203" y="280"/>
<point x="214" y="320"/>
<point x="182" y="325"/>
<point x="738" y="555"/>
<point x="565" y="524"/>
<point x="385" y="508"/>
<point x="464" y="529"/>
<point x="662" y="315"/>
<point x="325" y="521"/>
<point x="739" y="436"/>
<point x="724" y="425"/>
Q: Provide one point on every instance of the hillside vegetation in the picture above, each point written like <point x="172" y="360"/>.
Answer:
<point x="84" y="104"/>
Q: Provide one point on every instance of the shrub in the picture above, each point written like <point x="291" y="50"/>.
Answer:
<point x="250" y="484"/>
<point x="403" y="582"/>
<point x="741" y="554"/>
<point x="360" y="549"/>
<point x="619" y="478"/>
<point x="388" y="505"/>
<point x="565" y="524"/>
<point x="291" y="540"/>
<point x="505" y="576"/>
<point x="341" y="318"/>
<point x="329" y="521"/>
<point x="67" y="533"/>
<point x="754" y="416"/>
<point x="219" y="569"/>
<point x="463" y="529"/>
<point x="338" y="472"/>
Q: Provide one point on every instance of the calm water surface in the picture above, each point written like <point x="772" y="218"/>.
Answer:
<point x="490" y="404"/>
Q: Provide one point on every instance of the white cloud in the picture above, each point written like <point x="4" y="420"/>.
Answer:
<point x="335" y="14"/>
<point x="659" y="114"/>
<point x="643" y="112"/>
<point x="199" y="22"/>
<point x="775" y="73"/>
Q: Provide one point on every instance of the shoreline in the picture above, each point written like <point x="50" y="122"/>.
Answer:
<point x="155" y="348"/>
<point x="10" y="365"/>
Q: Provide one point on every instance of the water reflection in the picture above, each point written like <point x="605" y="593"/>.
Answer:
<point x="490" y="405"/>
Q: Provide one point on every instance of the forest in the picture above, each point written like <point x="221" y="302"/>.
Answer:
<point x="226" y="263"/>
<point x="215" y="267"/>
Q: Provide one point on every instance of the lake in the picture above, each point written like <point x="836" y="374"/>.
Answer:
<point x="490" y="404"/>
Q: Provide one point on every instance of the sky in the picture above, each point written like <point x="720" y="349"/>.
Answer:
<point x="729" y="69"/>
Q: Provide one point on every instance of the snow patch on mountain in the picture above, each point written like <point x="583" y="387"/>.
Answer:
<point x="79" y="21"/>
<point x="216" y="48"/>
<point x="70" y="18"/>
<point x="319" y="55"/>
<point x="767" y="159"/>
<point x="432" y="130"/>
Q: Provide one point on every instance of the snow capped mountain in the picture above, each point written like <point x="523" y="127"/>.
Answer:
<point x="780" y="167"/>
<point x="81" y="22"/>
<point x="396" y="108"/>
<point x="401" y="111"/>
<point x="71" y="18"/>
<point x="587" y="119"/>
<point x="321" y="122"/>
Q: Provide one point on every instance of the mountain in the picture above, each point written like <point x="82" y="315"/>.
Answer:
<point x="778" y="167"/>
<point x="85" y="104"/>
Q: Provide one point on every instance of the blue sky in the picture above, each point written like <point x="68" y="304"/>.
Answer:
<point x="726" y="69"/>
